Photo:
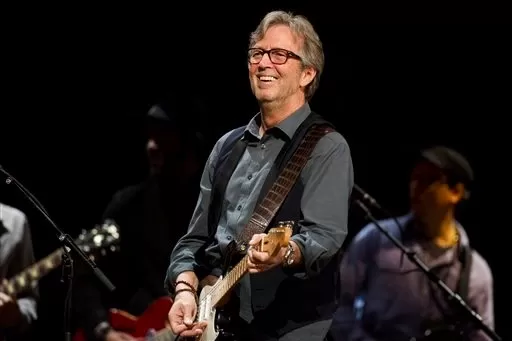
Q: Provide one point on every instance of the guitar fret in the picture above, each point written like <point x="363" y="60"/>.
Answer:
<point x="267" y="210"/>
<point x="255" y="221"/>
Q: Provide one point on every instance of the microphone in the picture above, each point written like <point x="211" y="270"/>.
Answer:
<point x="372" y="202"/>
<point x="367" y="197"/>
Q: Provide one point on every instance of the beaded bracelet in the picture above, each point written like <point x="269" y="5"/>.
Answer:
<point x="186" y="283"/>
<point x="189" y="290"/>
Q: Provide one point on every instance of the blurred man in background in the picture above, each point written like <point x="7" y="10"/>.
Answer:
<point x="151" y="217"/>
<point x="384" y="295"/>
<point x="17" y="314"/>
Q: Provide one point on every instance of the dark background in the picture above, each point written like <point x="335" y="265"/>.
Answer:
<point x="77" y="87"/>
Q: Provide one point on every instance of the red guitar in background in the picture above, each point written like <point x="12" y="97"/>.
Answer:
<point x="154" y="318"/>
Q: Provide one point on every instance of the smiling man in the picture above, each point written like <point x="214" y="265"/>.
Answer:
<point x="291" y="295"/>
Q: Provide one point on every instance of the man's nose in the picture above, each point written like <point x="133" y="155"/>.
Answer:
<point x="265" y="61"/>
<point x="152" y="145"/>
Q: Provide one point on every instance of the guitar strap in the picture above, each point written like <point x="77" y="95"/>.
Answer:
<point x="268" y="207"/>
<point x="465" y="258"/>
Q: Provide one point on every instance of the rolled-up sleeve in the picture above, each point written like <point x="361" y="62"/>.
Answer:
<point x="328" y="181"/>
<point x="183" y="257"/>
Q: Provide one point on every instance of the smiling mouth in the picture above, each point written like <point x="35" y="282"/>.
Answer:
<point x="267" y="79"/>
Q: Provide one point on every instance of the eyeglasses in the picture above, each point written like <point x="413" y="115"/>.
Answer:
<point x="277" y="56"/>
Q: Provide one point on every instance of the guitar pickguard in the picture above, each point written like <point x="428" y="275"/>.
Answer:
<point x="207" y="313"/>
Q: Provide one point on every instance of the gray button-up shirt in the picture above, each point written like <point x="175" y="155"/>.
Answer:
<point x="384" y="292"/>
<point x="327" y="179"/>
<point x="16" y="254"/>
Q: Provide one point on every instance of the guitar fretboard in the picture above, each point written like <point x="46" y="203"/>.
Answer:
<point x="32" y="274"/>
<point x="224" y="286"/>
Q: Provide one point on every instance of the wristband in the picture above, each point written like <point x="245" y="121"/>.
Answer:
<point x="186" y="283"/>
<point x="189" y="290"/>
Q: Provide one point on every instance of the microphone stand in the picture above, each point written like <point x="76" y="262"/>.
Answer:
<point x="68" y="244"/>
<point x="452" y="296"/>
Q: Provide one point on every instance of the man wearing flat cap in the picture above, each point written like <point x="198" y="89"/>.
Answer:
<point x="151" y="215"/>
<point x="384" y="296"/>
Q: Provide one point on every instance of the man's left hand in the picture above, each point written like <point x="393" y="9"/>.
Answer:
<point x="262" y="261"/>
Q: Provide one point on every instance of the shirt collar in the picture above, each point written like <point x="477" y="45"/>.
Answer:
<point x="288" y="126"/>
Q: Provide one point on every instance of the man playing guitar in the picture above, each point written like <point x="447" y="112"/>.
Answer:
<point x="289" y="294"/>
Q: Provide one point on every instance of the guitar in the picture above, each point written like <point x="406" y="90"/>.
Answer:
<point x="155" y="316"/>
<point x="154" y="319"/>
<point x="212" y="296"/>
<point x="93" y="242"/>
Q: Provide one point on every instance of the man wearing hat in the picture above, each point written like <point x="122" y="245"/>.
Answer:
<point x="151" y="215"/>
<point x="384" y="296"/>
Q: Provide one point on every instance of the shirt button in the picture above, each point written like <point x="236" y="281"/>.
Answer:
<point x="228" y="237"/>
<point x="239" y="207"/>
<point x="263" y="146"/>
<point x="249" y="177"/>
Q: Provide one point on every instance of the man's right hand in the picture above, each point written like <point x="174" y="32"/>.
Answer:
<point x="182" y="316"/>
<point x="114" y="335"/>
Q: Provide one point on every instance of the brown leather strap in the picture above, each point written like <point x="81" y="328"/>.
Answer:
<point x="265" y="211"/>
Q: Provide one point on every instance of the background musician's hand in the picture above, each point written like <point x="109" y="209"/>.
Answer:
<point x="262" y="261"/>
<point x="182" y="316"/>
<point x="10" y="314"/>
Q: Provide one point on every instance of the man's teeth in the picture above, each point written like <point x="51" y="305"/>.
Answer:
<point x="267" y="78"/>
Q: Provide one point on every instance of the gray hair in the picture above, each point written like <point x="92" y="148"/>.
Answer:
<point x="312" y="53"/>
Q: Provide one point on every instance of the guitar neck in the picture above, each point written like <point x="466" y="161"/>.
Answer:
<point x="32" y="274"/>
<point x="229" y="281"/>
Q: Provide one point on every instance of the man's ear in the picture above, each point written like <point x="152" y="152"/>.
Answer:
<point x="308" y="74"/>
<point x="458" y="193"/>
